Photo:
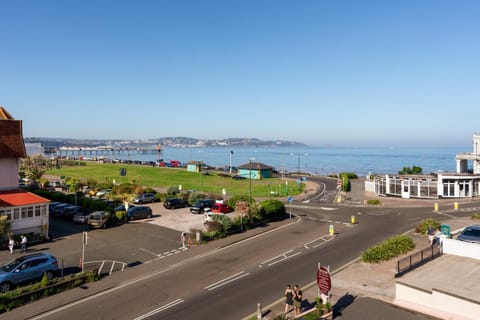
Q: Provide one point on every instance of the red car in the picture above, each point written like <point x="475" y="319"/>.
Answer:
<point x="222" y="208"/>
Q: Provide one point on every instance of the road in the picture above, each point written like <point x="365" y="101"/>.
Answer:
<point x="228" y="282"/>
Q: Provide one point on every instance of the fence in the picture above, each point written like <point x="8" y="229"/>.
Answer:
<point x="417" y="259"/>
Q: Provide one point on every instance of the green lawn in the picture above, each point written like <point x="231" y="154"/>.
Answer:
<point x="166" y="177"/>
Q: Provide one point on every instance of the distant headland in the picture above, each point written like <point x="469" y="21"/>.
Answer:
<point x="172" y="142"/>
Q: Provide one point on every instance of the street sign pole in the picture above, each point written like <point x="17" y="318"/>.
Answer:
<point x="290" y="200"/>
<point x="84" y="243"/>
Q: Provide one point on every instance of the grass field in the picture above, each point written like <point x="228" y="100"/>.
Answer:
<point x="166" y="177"/>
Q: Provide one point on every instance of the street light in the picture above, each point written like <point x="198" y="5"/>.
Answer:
<point x="250" y="187"/>
<point x="299" y="155"/>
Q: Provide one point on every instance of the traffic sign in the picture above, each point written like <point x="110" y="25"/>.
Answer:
<point x="323" y="280"/>
<point x="290" y="199"/>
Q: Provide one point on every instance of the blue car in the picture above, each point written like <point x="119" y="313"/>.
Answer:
<point x="26" y="269"/>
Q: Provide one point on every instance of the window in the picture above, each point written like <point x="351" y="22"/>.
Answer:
<point x="30" y="212"/>
<point x="16" y="213"/>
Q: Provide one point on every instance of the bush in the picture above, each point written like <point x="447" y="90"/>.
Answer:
<point x="476" y="216"/>
<point x="271" y="210"/>
<point x="423" y="226"/>
<point x="373" y="201"/>
<point x="388" y="249"/>
<point x="232" y="202"/>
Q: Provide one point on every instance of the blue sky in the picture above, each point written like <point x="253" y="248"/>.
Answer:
<point x="394" y="73"/>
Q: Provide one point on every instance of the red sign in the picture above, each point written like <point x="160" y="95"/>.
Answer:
<point x="323" y="280"/>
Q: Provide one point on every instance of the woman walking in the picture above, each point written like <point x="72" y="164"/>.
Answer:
<point x="288" y="298"/>
<point x="297" y="300"/>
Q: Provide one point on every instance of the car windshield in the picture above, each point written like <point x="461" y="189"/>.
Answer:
<point x="472" y="232"/>
<point x="11" y="265"/>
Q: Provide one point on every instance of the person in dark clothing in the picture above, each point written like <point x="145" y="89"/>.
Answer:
<point x="288" y="298"/>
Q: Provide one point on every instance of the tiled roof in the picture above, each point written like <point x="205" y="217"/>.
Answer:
<point x="12" y="198"/>
<point x="255" y="166"/>
<point x="11" y="136"/>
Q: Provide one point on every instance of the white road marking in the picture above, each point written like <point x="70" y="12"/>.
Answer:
<point x="162" y="308"/>
<point x="227" y="280"/>
<point x="148" y="251"/>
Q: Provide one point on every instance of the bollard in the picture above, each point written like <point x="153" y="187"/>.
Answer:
<point x="259" y="311"/>
<point x="455" y="205"/>
<point x="352" y="219"/>
<point x="81" y="264"/>
<point x="435" y="206"/>
<point x="331" y="230"/>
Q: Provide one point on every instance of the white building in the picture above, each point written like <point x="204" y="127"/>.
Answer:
<point x="27" y="212"/>
<point x="459" y="184"/>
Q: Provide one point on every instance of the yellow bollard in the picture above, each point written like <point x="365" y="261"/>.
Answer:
<point x="435" y="207"/>
<point x="331" y="229"/>
<point x="352" y="219"/>
<point x="455" y="205"/>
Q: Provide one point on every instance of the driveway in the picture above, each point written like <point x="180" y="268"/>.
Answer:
<point x="177" y="219"/>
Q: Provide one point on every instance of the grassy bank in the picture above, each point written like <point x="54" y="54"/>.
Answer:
<point x="166" y="177"/>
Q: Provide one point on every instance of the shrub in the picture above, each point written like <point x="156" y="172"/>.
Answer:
<point x="423" y="226"/>
<point x="388" y="249"/>
<point x="476" y="216"/>
<point x="232" y="202"/>
<point x="271" y="209"/>
<point x="373" y="201"/>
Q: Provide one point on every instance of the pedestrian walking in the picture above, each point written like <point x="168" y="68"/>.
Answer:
<point x="297" y="300"/>
<point x="288" y="298"/>
<point x="11" y="244"/>
<point x="430" y="234"/>
<point x="23" y="243"/>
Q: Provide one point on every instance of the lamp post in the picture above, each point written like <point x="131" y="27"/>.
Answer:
<point x="298" y="163"/>
<point x="250" y="185"/>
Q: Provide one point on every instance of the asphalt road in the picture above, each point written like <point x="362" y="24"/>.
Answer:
<point x="226" y="282"/>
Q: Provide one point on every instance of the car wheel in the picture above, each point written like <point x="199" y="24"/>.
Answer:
<point x="104" y="226"/>
<point x="5" y="287"/>
<point x="49" y="275"/>
<point x="149" y="216"/>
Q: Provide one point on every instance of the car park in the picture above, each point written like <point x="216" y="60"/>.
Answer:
<point x="99" y="219"/>
<point x="27" y="268"/>
<point x="52" y="205"/>
<point x="144" y="198"/>
<point x="470" y="234"/>
<point x="175" y="203"/>
<point x="139" y="212"/>
<point x="199" y="207"/>
<point x="222" y="208"/>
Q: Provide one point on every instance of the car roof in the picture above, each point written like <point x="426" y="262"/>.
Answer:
<point x="34" y="255"/>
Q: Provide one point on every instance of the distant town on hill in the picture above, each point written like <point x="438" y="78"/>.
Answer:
<point x="173" y="142"/>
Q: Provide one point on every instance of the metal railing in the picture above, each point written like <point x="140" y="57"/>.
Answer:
<point x="417" y="259"/>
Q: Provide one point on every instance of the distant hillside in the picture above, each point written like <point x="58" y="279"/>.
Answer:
<point x="172" y="142"/>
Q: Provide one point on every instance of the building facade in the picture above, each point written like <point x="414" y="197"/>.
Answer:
<point x="463" y="183"/>
<point x="27" y="212"/>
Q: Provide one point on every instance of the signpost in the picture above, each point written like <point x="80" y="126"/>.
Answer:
<point x="290" y="200"/>
<point x="84" y="243"/>
<point x="324" y="281"/>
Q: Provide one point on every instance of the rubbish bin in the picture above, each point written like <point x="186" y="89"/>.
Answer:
<point x="445" y="230"/>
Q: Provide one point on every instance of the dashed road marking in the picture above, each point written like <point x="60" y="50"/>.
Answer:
<point x="227" y="280"/>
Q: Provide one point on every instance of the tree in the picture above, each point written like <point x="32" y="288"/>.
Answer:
<point x="413" y="170"/>
<point x="34" y="167"/>
<point x="4" y="226"/>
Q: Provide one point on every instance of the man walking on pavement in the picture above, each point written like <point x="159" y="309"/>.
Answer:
<point x="23" y="243"/>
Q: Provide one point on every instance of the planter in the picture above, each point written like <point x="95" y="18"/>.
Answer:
<point x="327" y="316"/>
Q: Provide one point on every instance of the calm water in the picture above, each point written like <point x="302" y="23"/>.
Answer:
<point x="318" y="160"/>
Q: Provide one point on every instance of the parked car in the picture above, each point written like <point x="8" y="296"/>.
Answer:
<point x="200" y="206"/>
<point x="470" y="234"/>
<point x="220" y="207"/>
<point x="99" y="219"/>
<point x="70" y="211"/>
<point x="238" y="177"/>
<point x="27" y="268"/>
<point x="52" y="205"/>
<point x="81" y="217"/>
<point x="139" y="212"/>
<point x="209" y="215"/>
<point x="144" y="198"/>
<point x="174" y="203"/>
<point x="58" y="209"/>
<point x="102" y="193"/>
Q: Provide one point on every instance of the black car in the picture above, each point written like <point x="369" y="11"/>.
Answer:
<point x="200" y="206"/>
<point x="139" y="212"/>
<point x="174" y="203"/>
<point x="238" y="177"/>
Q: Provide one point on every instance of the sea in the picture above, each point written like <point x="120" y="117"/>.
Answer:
<point x="312" y="160"/>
